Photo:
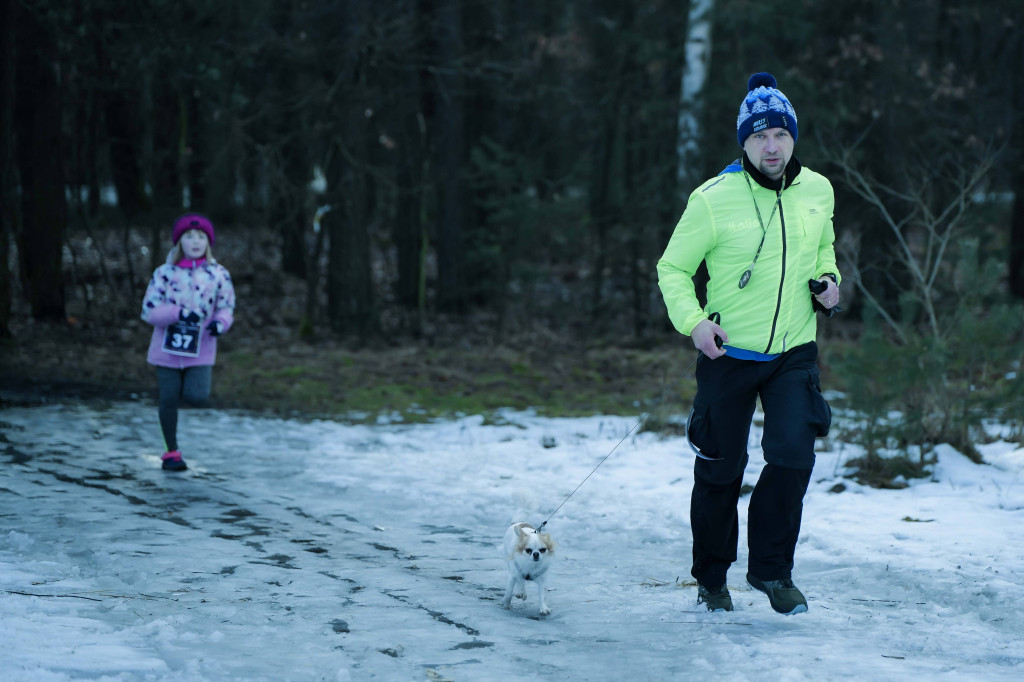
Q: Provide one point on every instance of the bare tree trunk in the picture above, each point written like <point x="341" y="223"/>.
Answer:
<point x="600" y="204"/>
<point x="350" y="294"/>
<point x="692" y="92"/>
<point x="307" y="327"/>
<point x="9" y="215"/>
<point x="291" y="168"/>
<point x="409" y="225"/>
<point x="165" y="127"/>
<point x="118" y="88"/>
<point x="197" y="156"/>
<point x="164" y="166"/>
<point x="1016" y="250"/>
<point x="412" y="174"/>
<point x="451" y="285"/>
<point x="41" y="159"/>
<point x="615" y="59"/>
<point x="121" y="114"/>
<point x="288" y="204"/>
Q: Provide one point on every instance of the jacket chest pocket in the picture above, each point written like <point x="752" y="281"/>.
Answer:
<point x="810" y="221"/>
<point x="805" y="230"/>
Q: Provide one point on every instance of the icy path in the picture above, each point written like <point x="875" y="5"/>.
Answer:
<point x="316" y="551"/>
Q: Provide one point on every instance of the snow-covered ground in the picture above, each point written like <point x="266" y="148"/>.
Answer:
<point x="321" y="551"/>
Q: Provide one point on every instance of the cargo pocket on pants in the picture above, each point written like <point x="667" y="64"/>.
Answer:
<point x="821" y="412"/>
<point x="698" y="433"/>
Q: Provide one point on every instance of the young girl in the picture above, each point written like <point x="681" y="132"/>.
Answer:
<point x="190" y="302"/>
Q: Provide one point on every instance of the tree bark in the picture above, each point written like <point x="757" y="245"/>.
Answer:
<point x="41" y="163"/>
<point x="9" y="214"/>
<point x="1016" y="254"/>
<point x="350" y="294"/>
<point x="450" y="118"/>
<point x="288" y="208"/>
<point x="1016" y="250"/>
<point x="196" y="154"/>
<point x="117" y="85"/>
<point x="121" y="114"/>
<point x="614" y="58"/>
<point x="350" y="298"/>
<point x="291" y="166"/>
<point x="166" y="128"/>
<point x="412" y="175"/>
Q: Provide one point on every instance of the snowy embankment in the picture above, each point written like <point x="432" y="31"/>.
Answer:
<point x="313" y="551"/>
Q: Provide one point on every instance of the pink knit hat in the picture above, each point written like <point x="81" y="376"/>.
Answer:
<point x="192" y="221"/>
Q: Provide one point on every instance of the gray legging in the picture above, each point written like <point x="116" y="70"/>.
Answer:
<point x="191" y="385"/>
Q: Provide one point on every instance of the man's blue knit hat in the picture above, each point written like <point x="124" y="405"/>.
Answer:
<point x="764" y="107"/>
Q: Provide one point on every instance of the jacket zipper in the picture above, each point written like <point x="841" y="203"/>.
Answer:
<point x="782" y="278"/>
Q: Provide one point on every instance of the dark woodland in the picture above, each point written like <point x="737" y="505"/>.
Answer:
<point x="437" y="173"/>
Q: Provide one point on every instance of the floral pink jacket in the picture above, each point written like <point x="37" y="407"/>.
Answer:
<point x="200" y="287"/>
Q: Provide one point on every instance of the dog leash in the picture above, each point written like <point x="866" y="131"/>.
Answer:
<point x="639" y="422"/>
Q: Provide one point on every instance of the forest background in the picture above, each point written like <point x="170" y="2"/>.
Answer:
<point x="441" y="206"/>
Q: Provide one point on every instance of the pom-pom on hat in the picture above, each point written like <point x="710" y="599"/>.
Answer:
<point x="192" y="221"/>
<point x="764" y="107"/>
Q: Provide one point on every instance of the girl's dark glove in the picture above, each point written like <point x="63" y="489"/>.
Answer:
<point x="189" y="316"/>
<point x="215" y="328"/>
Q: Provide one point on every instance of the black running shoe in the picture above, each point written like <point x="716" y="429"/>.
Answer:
<point x="783" y="594"/>
<point x="715" y="600"/>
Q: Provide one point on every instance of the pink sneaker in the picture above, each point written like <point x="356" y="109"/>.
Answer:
<point x="173" y="461"/>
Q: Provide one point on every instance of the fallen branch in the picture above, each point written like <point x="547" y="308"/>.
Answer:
<point x="708" y="622"/>
<point x="63" y="596"/>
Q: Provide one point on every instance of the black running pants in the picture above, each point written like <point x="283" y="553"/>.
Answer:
<point x="795" y="413"/>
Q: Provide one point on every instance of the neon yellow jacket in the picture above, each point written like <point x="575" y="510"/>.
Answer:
<point x="773" y="312"/>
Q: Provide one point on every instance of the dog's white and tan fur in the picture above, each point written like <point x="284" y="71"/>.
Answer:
<point x="529" y="555"/>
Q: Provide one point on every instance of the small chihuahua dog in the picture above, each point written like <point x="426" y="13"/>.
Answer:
<point x="529" y="555"/>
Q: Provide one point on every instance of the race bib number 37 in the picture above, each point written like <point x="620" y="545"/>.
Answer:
<point x="182" y="338"/>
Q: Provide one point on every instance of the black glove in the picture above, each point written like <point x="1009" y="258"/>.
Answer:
<point x="214" y="328"/>
<point x="190" y="317"/>
<point x="818" y="287"/>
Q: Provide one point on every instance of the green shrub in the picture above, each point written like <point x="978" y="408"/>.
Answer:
<point x="905" y="397"/>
